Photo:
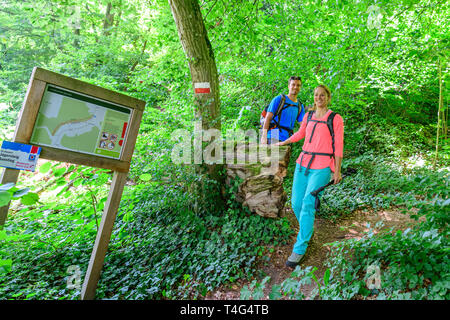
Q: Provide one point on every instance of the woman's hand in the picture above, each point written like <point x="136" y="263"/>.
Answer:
<point x="283" y="143"/>
<point x="337" y="177"/>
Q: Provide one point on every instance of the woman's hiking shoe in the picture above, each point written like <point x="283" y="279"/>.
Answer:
<point x="294" y="259"/>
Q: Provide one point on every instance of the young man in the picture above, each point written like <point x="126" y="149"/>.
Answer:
<point x="284" y="122"/>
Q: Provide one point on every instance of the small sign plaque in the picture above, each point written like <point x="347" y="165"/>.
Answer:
<point x="19" y="156"/>
<point x="202" y="87"/>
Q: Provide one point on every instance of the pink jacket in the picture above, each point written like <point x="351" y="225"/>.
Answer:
<point x="321" y="141"/>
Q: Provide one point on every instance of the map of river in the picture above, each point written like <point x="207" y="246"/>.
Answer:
<point x="73" y="121"/>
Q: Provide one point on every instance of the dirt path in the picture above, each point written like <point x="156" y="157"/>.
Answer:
<point x="325" y="231"/>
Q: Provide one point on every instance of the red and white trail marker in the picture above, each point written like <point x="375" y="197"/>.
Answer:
<point x="202" y="87"/>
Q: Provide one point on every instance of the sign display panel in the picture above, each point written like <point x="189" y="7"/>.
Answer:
<point x="78" y="122"/>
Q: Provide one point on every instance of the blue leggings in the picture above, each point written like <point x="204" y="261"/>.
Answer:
<point x="303" y="202"/>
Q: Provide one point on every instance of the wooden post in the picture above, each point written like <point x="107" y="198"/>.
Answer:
<point x="9" y="175"/>
<point x="24" y="129"/>
<point x="103" y="236"/>
<point x="110" y="211"/>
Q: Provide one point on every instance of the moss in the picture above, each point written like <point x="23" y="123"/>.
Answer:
<point x="254" y="168"/>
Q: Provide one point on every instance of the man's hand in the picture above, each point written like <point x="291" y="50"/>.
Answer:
<point x="265" y="128"/>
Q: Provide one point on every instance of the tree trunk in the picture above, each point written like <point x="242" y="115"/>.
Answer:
<point x="439" y="113"/>
<point x="75" y="21"/>
<point x="109" y="20"/>
<point x="202" y="66"/>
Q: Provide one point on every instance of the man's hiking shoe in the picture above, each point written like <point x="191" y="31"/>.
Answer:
<point x="294" y="259"/>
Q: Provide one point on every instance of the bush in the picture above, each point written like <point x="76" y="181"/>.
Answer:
<point x="413" y="264"/>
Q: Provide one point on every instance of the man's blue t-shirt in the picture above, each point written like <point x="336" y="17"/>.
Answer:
<point x="287" y="116"/>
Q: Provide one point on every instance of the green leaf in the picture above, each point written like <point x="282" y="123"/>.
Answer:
<point x="326" y="277"/>
<point x="30" y="295"/>
<point x="74" y="175"/>
<point x="245" y="293"/>
<point x="364" y="291"/>
<point x="21" y="192"/>
<point x="59" y="172"/>
<point x="275" y="294"/>
<point x="45" y="167"/>
<point x="5" y="265"/>
<point x="29" y="199"/>
<point x="5" y="198"/>
<point x="6" y="186"/>
<point x="145" y="177"/>
<point x="348" y="276"/>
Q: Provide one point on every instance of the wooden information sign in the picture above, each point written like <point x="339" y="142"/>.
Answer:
<point x="77" y="122"/>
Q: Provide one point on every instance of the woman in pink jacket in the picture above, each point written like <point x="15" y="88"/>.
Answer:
<point x="320" y="158"/>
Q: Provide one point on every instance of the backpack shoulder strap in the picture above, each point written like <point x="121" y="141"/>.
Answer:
<point x="331" y="127"/>
<point x="280" y="106"/>
<point x="310" y="114"/>
<point x="300" y="107"/>
<point x="330" y="123"/>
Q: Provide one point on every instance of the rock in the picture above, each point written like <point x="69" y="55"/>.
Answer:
<point x="262" y="170"/>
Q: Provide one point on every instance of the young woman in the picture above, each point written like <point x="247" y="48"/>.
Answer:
<point x="315" y="164"/>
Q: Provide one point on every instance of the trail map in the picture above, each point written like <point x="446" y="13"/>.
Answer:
<point x="77" y="122"/>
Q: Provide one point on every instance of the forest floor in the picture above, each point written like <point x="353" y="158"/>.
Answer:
<point x="325" y="232"/>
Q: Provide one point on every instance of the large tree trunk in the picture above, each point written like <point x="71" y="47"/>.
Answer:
<point x="202" y="64"/>
<point x="205" y="81"/>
